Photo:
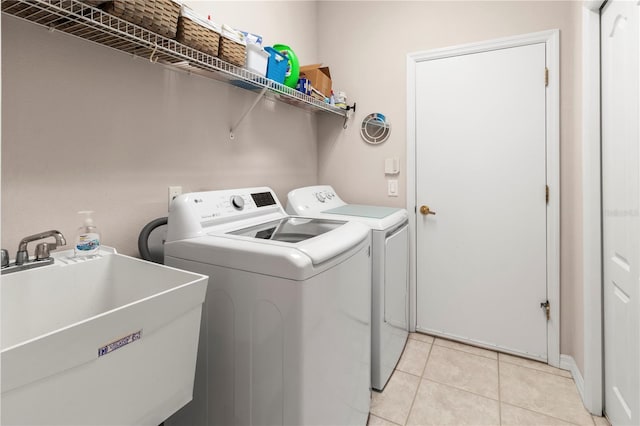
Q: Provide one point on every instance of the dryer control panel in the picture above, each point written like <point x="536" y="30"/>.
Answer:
<point x="312" y="199"/>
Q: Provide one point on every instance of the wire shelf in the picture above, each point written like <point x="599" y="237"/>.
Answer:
<point x="89" y="23"/>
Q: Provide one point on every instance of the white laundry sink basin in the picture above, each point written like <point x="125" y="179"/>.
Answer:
<point x="106" y="341"/>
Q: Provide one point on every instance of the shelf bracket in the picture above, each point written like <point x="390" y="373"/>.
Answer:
<point x="153" y="52"/>
<point x="348" y="114"/>
<point x="242" y="117"/>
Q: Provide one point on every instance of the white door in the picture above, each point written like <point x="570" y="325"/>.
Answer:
<point x="621" y="192"/>
<point x="481" y="166"/>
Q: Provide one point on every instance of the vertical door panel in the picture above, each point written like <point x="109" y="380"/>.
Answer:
<point x="621" y="192"/>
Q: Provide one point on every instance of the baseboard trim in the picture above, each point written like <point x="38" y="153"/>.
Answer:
<point x="568" y="363"/>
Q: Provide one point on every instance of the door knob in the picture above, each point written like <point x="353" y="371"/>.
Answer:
<point x="425" y="210"/>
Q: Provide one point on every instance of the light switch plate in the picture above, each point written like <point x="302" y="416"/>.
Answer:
<point x="392" y="188"/>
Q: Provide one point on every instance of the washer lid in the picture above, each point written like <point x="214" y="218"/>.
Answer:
<point x="374" y="212"/>
<point x="297" y="261"/>
<point x="289" y="229"/>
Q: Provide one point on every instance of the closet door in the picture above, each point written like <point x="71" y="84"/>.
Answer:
<point x="620" y="216"/>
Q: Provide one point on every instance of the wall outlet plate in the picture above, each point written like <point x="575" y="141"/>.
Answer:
<point x="174" y="191"/>
<point x="391" y="166"/>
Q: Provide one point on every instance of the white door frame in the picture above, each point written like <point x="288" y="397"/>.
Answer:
<point x="552" y="40"/>
<point x="593" y="393"/>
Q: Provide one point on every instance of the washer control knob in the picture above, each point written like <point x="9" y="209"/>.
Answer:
<point x="328" y="195"/>
<point x="237" y="202"/>
<point x="320" y="197"/>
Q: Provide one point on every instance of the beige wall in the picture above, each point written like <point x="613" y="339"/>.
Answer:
<point x="366" y="44"/>
<point x="89" y="128"/>
<point x="86" y="127"/>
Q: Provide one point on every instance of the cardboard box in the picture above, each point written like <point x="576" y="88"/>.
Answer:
<point x="320" y="77"/>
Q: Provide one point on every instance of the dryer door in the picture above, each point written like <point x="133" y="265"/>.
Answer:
<point x="396" y="278"/>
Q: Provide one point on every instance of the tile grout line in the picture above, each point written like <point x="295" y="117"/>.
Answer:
<point x="418" y="340"/>
<point x="426" y="360"/>
<point x="497" y="356"/>
<point x="379" y="415"/>
<point x="419" y="383"/>
<point x="546" y="414"/>
<point x="470" y="353"/>
<point x="383" y="418"/>
<point x="425" y="363"/>
<point x="499" y="360"/>
<point x="467" y="352"/>
<point x="435" y="339"/>
<point x="460" y="389"/>
<point x="535" y="369"/>
<point x="406" y="372"/>
<point x="543" y="414"/>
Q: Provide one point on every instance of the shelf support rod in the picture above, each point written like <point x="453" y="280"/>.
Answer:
<point x="348" y="113"/>
<point x="241" y="119"/>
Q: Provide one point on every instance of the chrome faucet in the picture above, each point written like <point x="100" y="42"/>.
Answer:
<point x="42" y="252"/>
<point x="23" y="256"/>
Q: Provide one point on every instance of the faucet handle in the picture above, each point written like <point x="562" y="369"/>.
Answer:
<point x="5" y="258"/>
<point x="22" y="257"/>
<point x="43" y="249"/>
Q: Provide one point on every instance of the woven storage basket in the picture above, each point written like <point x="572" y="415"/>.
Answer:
<point x="159" y="16"/>
<point x="197" y="36"/>
<point x="94" y="3"/>
<point x="233" y="52"/>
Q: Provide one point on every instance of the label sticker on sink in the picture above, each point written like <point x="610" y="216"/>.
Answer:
<point x="120" y="343"/>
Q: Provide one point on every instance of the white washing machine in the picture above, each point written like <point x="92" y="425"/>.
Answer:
<point x="286" y="326"/>
<point x="390" y="269"/>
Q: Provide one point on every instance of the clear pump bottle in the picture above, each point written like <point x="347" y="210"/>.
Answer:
<point x="88" y="239"/>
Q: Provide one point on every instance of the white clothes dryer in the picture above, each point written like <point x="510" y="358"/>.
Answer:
<point x="286" y="325"/>
<point x="390" y="269"/>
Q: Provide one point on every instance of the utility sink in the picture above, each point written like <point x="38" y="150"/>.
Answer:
<point x="110" y="340"/>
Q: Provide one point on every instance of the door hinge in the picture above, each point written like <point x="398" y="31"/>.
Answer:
<point x="546" y="77"/>
<point x="546" y="193"/>
<point x="547" y="308"/>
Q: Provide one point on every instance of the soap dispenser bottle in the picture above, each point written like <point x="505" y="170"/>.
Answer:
<point x="88" y="239"/>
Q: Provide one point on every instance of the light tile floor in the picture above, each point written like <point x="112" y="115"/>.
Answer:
<point x="439" y="382"/>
